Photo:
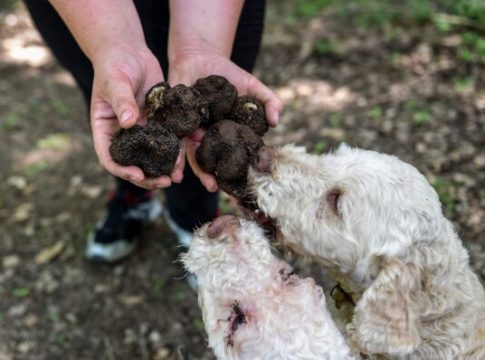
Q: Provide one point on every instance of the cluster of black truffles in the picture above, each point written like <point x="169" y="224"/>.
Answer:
<point x="234" y="126"/>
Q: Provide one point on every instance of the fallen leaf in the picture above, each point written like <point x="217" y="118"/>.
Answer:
<point x="50" y="253"/>
<point x="22" y="212"/>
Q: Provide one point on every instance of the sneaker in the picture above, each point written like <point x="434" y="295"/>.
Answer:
<point x="115" y="235"/>
<point x="184" y="237"/>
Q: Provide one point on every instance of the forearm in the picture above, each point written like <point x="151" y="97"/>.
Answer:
<point x="197" y="25"/>
<point x="101" y="24"/>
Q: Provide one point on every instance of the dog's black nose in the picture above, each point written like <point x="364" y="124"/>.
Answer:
<point x="264" y="157"/>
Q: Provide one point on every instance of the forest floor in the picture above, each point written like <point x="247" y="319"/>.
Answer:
<point x="413" y="91"/>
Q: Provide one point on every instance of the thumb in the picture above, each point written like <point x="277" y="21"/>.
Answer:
<point x="121" y="97"/>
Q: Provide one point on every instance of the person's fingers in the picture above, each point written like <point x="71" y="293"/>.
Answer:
<point x="178" y="171"/>
<point x="272" y="104"/>
<point x="208" y="180"/>
<point x="121" y="96"/>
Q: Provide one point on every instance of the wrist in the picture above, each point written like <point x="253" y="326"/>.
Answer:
<point x="182" y="50"/>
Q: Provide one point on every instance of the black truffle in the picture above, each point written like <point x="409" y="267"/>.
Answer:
<point x="219" y="95"/>
<point x="226" y="151"/>
<point x="152" y="148"/>
<point x="181" y="111"/>
<point x="154" y="98"/>
<point x="249" y="111"/>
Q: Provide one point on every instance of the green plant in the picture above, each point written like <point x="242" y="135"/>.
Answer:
<point x="60" y="107"/>
<point x="325" y="47"/>
<point x="335" y="119"/>
<point x="375" y="113"/>
<point x="319" y="147"/>
<point x="11" y="120"/>
<point x="463" y="84"/>
<point x="446" y="192"/>
<point x="310" y="8"/>
<point x="54" y="141"/>
<point x="21" y="292"/>
<point x="159" y="285"/>
<point x="421" y="117"/>
<point x="465" y="55"/>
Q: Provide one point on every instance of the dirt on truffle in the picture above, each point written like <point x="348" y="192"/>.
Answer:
<point x="152" y="148"/>
<point x="226" y="151"/>
<point x="181" y="110"/>
<point x="249" y="111"/>
<point x="219" y="95"/>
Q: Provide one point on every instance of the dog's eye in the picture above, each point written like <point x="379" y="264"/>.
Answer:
<point x="333" y="197"/>
<point x="237" y="322"/>
<point x="238" y="318"/>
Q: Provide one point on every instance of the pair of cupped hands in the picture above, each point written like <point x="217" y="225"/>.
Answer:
<point x="121" y="79"/>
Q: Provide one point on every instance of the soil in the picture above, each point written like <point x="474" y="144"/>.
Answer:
<point x="403" y="91"/>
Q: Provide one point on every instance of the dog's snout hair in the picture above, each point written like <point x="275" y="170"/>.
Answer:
<point x="253" y="305"/>
<point x="377" y="223"/>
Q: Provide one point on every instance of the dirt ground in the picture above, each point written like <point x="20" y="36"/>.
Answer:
<point x="403" y="91"/>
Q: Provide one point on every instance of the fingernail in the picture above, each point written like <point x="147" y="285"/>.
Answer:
<point x="126" y="116"/>
<point x="276" y="117"/>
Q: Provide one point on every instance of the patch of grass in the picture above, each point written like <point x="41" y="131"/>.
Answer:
<point x="159" y="285"/>
<point x="444" y="14"/>
<point x="199" y="324"/>
<point x="179" y="296"/>
<point x="463" y="84"/>
<point x="60" y="107"/>
<point x="21" y="292"/>
<point x="465" y="55"/>
<point x="11" y="120"/>
<point x="60" y="338"/>
<point x="421" y="117"/>
<point x="395" y="58"/>
<point x="319" y="147"/>
<point x="411" y="105"/>
<point x="34" y="169"/>
<point x="446" y="192"/>
<point x="375" y="113"/>
<point x="325" y="47"/>
<point x="335" y="119"/>
<point x="53" y="316"/>
<point x="54" y="142"/>
<point x="473" y="47"/>
<point x="311" y="8"/>
<point x="442" y="23"/>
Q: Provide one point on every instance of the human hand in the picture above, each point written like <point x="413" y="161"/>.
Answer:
<point x="193" y="65"/>
<point x="122" y="76"/>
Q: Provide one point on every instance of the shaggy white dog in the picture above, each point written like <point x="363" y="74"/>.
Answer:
<point x="253" y="306"/>
<point x="377" y="224"/>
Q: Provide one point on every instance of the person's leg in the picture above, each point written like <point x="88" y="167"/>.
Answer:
<point x="188" y="203"/>
<point x="129" y="206"/>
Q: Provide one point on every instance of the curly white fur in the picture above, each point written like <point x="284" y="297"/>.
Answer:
<point x="253" y="306"/>
<point x="375" y="221"/>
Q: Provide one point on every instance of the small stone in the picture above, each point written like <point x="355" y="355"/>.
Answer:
<point x="10" y="261"/>
<point x="17" y="310"/>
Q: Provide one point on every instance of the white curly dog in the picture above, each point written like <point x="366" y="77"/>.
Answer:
<point x="253" y="306"/>
<point x="377" y="224"/>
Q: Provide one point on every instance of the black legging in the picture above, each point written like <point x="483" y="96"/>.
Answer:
<point x="189" y="203"/>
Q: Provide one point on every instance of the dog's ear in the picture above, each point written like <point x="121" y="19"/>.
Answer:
<point x="386" y="318"/>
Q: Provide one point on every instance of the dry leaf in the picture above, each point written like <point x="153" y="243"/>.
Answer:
<point x="50" y="253"/>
